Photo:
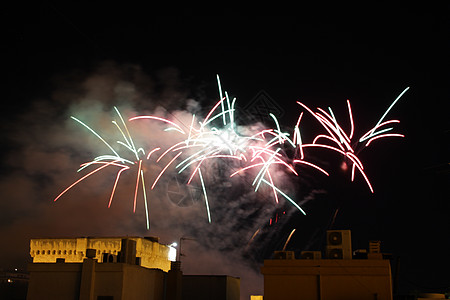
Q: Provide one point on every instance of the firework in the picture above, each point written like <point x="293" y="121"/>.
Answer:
<point x="288" y="239"/>
<point x="214" y="137"/>
<point x="217" y="136"/>
<point x="114" y="159"/>
<point x="343" y="142"/>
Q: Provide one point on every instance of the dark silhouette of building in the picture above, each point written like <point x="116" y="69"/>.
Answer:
<point x="206" y="287"/>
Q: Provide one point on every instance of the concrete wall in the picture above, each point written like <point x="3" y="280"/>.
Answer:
<point x="280" y="286"/>
<point x="210" y="287"/>
<point x="140" y="283"/>
<point x="327" y="279"/>
<point x="89" y="280"/>
<point x="54" y="281"/>
<point x="109" y="280"/>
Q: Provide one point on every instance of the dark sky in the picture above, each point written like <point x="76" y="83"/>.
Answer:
<point x="59" y="59"/>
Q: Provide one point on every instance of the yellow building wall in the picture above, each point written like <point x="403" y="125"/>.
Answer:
<point x="152" y="254"/>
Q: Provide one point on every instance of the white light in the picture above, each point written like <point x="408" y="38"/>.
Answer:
<point x="172" y="253"/>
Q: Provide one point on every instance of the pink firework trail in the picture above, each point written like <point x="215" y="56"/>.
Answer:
<point x="340" y="141"/>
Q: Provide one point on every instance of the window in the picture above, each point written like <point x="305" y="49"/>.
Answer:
<point x="37" y="252"/>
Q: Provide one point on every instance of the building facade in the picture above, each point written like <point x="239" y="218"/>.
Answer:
<point x="330" y="279"/>
<point x="341" y="274"/>
<point x="149" y="251"/>
<point x="115" y="272"/>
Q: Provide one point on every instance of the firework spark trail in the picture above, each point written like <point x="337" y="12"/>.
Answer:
<point x="342" y="141"/>
<point x="116" y="160"/>
<point x="204" y="140"/>
<point x="373" y="132"/>
<point x="288" y="239"/>
<point x="211" y="142"/>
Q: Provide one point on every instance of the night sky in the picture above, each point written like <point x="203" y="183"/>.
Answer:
<point x="78" y="60"/>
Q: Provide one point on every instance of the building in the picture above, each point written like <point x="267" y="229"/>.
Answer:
<point x="335" y="277"/>
<point x="112" y="272"/>
<point x="206" y="287"/>
<point x="327" y="279"/>
<point x="201" y="287"/>
<point x="109" y="272"/>
<point x="149" y="251"/>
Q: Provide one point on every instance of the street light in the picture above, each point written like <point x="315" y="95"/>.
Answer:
<point x="172" y="251"/>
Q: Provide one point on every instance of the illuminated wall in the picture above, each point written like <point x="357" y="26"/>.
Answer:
<point x="73" y="250"/>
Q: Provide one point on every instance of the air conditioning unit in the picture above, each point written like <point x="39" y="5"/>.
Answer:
<point x="374" y="246"/>
<point x="339" y="244"/>
<point x="283" y="255"/>
<point x="360" y="254"/>
<point x="311" y="254"/>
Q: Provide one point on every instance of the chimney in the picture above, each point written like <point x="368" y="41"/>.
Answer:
<point x="87" y="284"/>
